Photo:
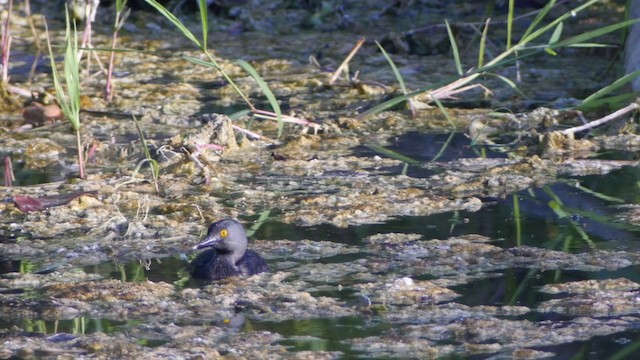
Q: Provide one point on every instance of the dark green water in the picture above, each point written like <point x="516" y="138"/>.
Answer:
<point x="540" y="227"/>
<point x="560" y="217"/>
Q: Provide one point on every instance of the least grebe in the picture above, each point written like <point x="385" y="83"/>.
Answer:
<point x="228" y="255"/>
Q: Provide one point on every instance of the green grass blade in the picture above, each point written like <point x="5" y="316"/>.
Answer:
<point x="507" y="57"/>
<point x="483" y="44"/>
<point x="175" y="21"/>
<point x="69" y="100"/>
<point x="600" y="195"/>
<point x="569" y="14"/>
<point x="443" y="147"/>
<point x="204" y="12"/>
<point x="492" y="65"/>
<point x="454" y="48"/>
<point x="405" y="169"/>
<point x="265" y="89"/>
<point x="120" y="4"/>
<point x="510" y="23"/>
<point x="213" y="64"/>
<point x="517" y="219"/>
<point x="200" y="62"/>
<point x="396" y="72"/>
<point x="627" y="351"/>
<point x="264" y="215"/>
<point x="155" y="168"/>
<point x="444" y="112"/>
<point x="392" y="154"/>
<point x="555" y="37"/>
<point x="239" y="114"/>
<point x="539" y="17"/>
<point x="581" y="38"/>
<point x="614" y="102"/>
<point x="509" y="82"/>
<point x="72" y="74"/>
<point x="391" y="103"/>
<point x="145" y="148"/>
<point x="591" y="45"/>
<point x="610" y="88"/>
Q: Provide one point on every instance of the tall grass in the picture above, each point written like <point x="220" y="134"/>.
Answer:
<point x="69" y="99"/>
<point x="531" y="43"/>
<point x="202" y="45"/>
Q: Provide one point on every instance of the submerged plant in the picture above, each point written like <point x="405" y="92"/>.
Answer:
<point x="69" y="100"/>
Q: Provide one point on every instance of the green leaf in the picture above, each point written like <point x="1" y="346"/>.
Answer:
<point x="443" y="147"/>
<point x="571" y="13"/>
<point x="395" y="70"/>
<point x="555" y="36"/>
<point x="454" y="48"/>
<point x="509" y="82"/>
<point x="613" y="102"/>
<point x="483" y="42"/>
<point x="392" y="154"/>
<point x="557" y="209"/>
<point x="444" y="112"/>
<point x="267" y="92"/>
<point x="200" y="62"/>
<point x="120" y="4"/>
<point x="204" y="11"/>
<point x="610" y="88"/>
<point x="174" y="20"/>
<point x="510" y="23"/>
<point x="264" y="216"/>
<point x="580" y="38"/>
<point x="539" y="17"/>
<point x="155" y="168"/>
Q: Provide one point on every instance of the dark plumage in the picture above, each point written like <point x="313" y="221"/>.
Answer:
<point x="228" y="255"/>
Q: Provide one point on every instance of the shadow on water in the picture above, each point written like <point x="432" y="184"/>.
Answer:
<point x="80" y="325"/>
<point x="559" y="216"/>
<point x="323" y="334"/>
<point x="520" y="286"/>
<point x="68" y="330"/>
<point x="622" y="345"/>
<point x="428" y="147"/>
<point x="25" y="176"/>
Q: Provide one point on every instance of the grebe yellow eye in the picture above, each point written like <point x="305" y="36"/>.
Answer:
<point x="224" y="233"/>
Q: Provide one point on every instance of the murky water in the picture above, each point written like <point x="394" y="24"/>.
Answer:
<point x="539" y="226"/>
<point x="353" y="268"/>
<point x="558" y="217"/>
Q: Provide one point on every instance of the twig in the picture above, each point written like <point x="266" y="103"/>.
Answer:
<point x="36" y="39"/>
<point x="18" y="90"/>
<point x="120" y="18"/>
<point x="252" y="135"/>
<point x="627" y="109"/>
<point x="90" y="10"/>
<point x="9" y="177"/>
<point x="6" y="44"/>
<point x="32" y="26"/>
<point x="346" y="61"/>
<point x="263" y="114"/>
